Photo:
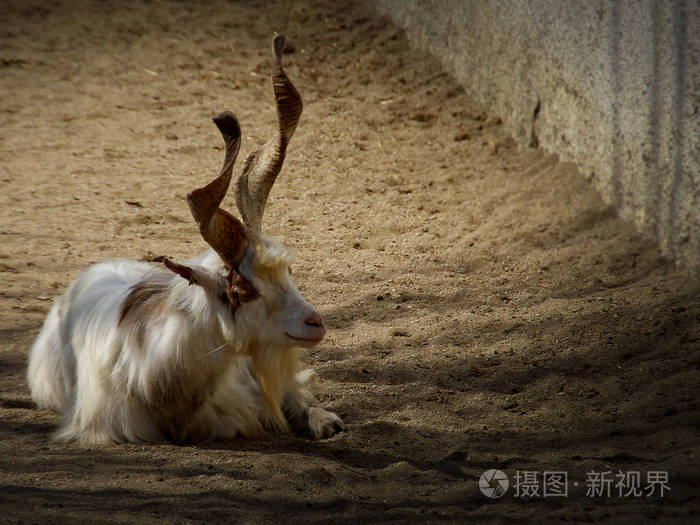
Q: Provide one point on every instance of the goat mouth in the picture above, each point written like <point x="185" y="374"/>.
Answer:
<point x="307" y="340"/>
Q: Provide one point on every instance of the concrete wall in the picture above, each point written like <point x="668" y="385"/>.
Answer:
<point x="611" y="85"/>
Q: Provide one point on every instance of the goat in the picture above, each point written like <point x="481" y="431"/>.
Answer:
<point x="199" y="350"/>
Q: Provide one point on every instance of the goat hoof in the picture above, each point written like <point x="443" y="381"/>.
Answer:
<point x="324" y="424"/>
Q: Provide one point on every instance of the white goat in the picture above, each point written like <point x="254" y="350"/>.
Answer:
<point x="207" y="349"/>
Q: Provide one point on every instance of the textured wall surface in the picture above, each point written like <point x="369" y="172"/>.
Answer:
<point x="613" y="86"/>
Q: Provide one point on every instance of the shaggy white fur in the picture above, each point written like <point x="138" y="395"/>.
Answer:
<point x="135" y="353"/>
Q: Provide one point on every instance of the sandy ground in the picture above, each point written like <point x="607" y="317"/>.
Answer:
<point x="486" y="309"/>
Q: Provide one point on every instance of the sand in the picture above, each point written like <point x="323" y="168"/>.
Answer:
<point x="486" y="309"/>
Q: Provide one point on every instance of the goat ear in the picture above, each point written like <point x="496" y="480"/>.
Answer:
<point x="183" y="271"/>
<point x="209" y="281"/>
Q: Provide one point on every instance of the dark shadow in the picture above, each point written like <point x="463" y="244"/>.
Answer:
<point x="17" y="403"/>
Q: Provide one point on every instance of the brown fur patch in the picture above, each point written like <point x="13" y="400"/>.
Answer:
<point x="145" y="299"/>
<point x="240" y="290"/>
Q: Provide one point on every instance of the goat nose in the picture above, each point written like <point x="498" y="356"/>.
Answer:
<point x="314" y="319"/>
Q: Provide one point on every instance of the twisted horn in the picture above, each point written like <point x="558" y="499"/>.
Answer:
<point x="261" y="167"/>
<point x="220" y="229"/>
